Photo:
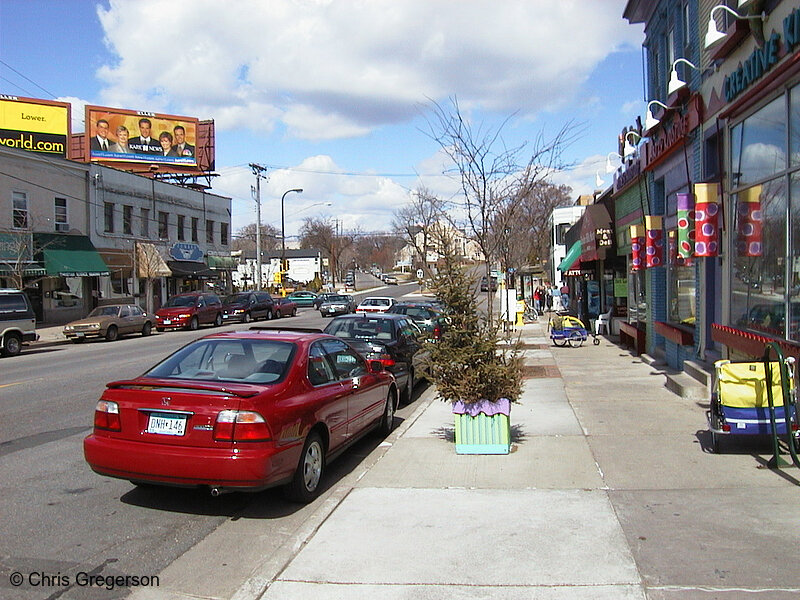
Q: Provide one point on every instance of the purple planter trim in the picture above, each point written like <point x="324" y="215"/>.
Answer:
<point x="473" y="409"/>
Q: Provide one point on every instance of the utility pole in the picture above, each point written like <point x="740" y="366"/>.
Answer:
<point x="258" y="171"/>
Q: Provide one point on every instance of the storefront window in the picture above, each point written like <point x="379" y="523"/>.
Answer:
<point x="793" y="286"/>
<point x="682" y="308"/>
<point x="637" y="298"/>
<point x="758" y="288"/>
<point x="758" y="145"/>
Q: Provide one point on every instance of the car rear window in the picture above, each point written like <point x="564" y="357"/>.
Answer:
<point x="361" y="329"/>
<point x="243" y="360"/>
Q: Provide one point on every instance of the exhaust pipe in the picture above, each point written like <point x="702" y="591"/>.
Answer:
<point x="215" y="491"/>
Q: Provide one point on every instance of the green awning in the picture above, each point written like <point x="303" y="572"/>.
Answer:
<point x="572" y="256"/>
<point x="222" y="262"/>
<point x="70" y="255"/>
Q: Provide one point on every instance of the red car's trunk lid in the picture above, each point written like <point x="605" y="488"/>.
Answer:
<point x="173" y="412"/>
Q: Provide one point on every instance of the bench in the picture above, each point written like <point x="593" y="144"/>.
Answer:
<point x="633" y="337"/>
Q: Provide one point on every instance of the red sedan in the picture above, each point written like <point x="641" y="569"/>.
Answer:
<point x="242" y="410"/>
<point x="286" y="307"/>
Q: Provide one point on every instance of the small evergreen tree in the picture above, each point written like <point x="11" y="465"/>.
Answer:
<point x="467" y="363"/>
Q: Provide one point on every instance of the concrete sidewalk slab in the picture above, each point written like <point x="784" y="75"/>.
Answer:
<point x="536" y="538"/>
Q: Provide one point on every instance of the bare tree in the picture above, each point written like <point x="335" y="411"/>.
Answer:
<point x="16" y="257"/>
<point x="524" y="232"/>
<point x="150" y="266"/>
<point x="245" y="238"/>
<point x="414" y="223"/>
<point x="380" y="250"/>
<point x="324" y="234"/>
<point x="493" y="177"/>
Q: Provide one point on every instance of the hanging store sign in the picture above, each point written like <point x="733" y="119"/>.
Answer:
<point x="183" y="251"/>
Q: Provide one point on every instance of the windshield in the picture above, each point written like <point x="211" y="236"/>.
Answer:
<point x="337" y="299"/>
<point x="180" y="301"/>
<point x="242" y="360"/>
<point x="105" y="311"/>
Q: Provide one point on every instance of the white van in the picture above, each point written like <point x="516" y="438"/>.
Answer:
<point x="17" y="321"/>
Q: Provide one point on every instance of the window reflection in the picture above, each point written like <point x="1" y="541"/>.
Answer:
<point x="758" y="145"/>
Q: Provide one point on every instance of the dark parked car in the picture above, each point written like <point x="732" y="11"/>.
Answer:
<point x="337" y="304"/>
<point x="426" y="316"/>
<point x="189" y="311"/>
<point x="393" y="339"/>
<point x="243" y="410"/>
<point x="248" y="306"/>
<point x="286" y="307"/>
<point x="485" y="284"/>
<point x="110" y="321"/>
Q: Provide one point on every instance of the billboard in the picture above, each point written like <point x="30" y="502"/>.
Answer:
<point x="35" y="125"/>
<point x="127" y="136"/>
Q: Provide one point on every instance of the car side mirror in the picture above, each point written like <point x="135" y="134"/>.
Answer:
<point x="376" y="366"/>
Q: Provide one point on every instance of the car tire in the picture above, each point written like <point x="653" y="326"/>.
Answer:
<point x="269" y="315"/>
<point x="218" y="320"/>
<point x="294" y="311"/>
<point x="193" y="324"/>
<point x="248" y="317"/>
<point x="387" y="420"/>
<point x="305" y="485"/>
<point x="12" y="344"/>
<point x="112" y="333"/>
<point x="409" y="391"/>
<point x="147" y="328"/>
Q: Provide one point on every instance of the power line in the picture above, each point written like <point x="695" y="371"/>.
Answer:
<point x="49" y="93"/>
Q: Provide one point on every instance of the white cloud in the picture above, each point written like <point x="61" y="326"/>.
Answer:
<point x="339" y="69"/>
<point x="77" y="112"/>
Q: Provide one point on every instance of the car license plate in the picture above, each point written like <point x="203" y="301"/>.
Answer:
<point x="167" y="321"/>
<point x="166" y="424"/>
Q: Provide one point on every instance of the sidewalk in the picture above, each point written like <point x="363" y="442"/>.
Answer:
<point x="609" y="493"/>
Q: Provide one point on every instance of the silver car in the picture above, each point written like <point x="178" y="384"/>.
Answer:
<point x="340" y="304"/>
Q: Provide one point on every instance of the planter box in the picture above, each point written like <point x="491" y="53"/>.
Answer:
<point x="483" y="427"/>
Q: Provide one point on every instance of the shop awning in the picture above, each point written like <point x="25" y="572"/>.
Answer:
<point x="190" y="269"/>
<point x="573" y="256"/>
<point x="222" y="262"/>
<point x="70" y="255"/>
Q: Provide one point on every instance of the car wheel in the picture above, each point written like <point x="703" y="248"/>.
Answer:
<point x="269" y="315"/>
<point x="112" y="333"/>
<point x="12" y="344"/>
<point x="147" y="329"/>
<point x="304" y="486"/>
<point x="409" y="391"/>
<point x="247" y="317"/>
<point x="387" y="421"/>
<point x="294" y="311"/>
<point x="218" y="320"/>
<point x="194" y="324"/>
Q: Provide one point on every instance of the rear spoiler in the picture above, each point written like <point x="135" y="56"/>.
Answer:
<point x="241" y="391"/>
<point x="279" y="328"/>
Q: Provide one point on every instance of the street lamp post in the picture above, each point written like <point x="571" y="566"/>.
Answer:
<point x="283" y="232"/>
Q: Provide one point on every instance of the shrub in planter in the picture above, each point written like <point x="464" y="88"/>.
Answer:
<point x="472" y="370"/>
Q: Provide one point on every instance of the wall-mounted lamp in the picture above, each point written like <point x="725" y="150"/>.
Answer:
<point x="713" y="34"/>
<point x="630" y="148"/>
<point x="609" y="167"/>
<point x="650" y="121"/>
<point x="675" y="82"/>
<point x="598" y="180"/>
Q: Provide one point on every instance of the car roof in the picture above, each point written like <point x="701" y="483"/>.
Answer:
<point x="286" y="334"/>
<point x="377" y="298"/>
<point x="376" y="315"/>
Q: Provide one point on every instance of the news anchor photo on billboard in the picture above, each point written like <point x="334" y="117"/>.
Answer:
<point x="34" y="125"/>
<point x="119" y="135"/>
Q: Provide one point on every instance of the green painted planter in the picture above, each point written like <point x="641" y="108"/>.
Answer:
<point x="483" y="428"/>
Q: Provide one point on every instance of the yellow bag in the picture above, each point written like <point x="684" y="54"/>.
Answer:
<point x="744" y="384"/>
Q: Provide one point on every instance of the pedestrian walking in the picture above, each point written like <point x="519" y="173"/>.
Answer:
<point x="564" y="296"/>
<point x="537" y="299"/>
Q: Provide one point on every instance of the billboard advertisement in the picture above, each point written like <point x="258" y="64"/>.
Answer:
<point x="35" y="125"/>
<point x="118" y="135"/>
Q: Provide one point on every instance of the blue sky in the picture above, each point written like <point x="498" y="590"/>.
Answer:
<point x="334" y="96"/>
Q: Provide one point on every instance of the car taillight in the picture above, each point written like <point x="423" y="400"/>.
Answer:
<point x="437" y="332"/>
<point x="240" y="426"/>
<point x="386" y="359"/>
<point x="106" y="416"/>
